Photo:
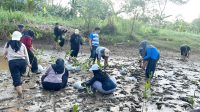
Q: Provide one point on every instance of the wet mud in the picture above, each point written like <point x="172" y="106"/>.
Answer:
<point x="174" y="88"/>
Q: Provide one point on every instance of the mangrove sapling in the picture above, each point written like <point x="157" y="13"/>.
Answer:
<point x="39" y="54"/>
<point x="53" y="59"/>
<point x="75" y="107"/>
<point x="67" y="53"/>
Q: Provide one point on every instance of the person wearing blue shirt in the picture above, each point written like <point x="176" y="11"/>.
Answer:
<point x="94" y="43"/>
<point x="150" y="55"/>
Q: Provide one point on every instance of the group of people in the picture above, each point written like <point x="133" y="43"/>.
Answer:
<point x="19" y="52"/>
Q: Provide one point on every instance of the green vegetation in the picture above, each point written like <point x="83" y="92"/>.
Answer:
<point x="41" y="17"/>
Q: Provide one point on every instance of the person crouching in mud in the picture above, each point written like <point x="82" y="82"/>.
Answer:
<point x="185" y="52"/>
<point x="104" y="53"/>
<point x="56" y="76"/>
<point x="150" y="56"/>
<point x="58" y="32"/>
<point x="101" y="81"/>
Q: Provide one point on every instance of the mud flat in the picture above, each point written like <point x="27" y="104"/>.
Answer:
<point x="175" y="88"/>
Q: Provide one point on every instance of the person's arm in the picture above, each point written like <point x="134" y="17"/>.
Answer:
<point x="148" y="54"/>
<point x="144" y="64"/>
<point x="91" y="81"/>
<point x="26" y="56"/>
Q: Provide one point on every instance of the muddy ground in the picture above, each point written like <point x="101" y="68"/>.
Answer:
<point x="175" y="87"/>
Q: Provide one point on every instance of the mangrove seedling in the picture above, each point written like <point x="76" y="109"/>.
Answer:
<point x="75" y="107"/>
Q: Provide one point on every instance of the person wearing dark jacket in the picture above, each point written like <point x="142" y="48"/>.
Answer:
<point x="185" y="52"/>
<point x="150" y="56"/>
<point x="59" y="35"/>
<point x="56" y="76"/>
<point x="101" y="81"/>
<point x="75" y="41"/>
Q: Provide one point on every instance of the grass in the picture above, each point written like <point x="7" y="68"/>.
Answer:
<point x="161" y="38"/>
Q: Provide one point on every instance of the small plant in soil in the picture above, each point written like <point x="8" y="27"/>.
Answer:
<point x="52" y="59"/>
<point x="75" y="107"/>
<point x="67" y="53"/>
<point x="190" y="100"/>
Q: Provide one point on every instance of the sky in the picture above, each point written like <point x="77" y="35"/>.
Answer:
<point x="188" y="12"/>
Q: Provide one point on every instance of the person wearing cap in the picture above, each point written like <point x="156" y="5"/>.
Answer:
<point x="150" y="56"/>
<point x="76" y="42"/>
<point x="185" y="52"/>
<point x="56" y="76"/>
<point x="102" y="52"/>
<point x="27" y="41"/>
<point x="94" y="43"/>
<point x="18" y="59"/>
<point x="101" y="81"/>
<point x="59" y="35"/>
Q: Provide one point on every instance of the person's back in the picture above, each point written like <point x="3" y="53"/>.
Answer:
<point x="75" y="41"/>
<point x="94" y="37"/>
<point x="20" y="54"/>
<point x="56" y="76"/>
<point x="152" y="52"/>
<point x="107" y="83"/>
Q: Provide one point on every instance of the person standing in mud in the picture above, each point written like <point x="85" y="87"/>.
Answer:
<point x="94" y="43"/>
<point x="101" y="81"/>
<point x="56" y="76"/>
<point x="75" y="42"/>
<point x="150" y="56"/>
<point x="185" y="52"/>
<point x="58" y="32"/>
<point x="27" y="41"/>
<point x="104" y="53"/>
<point x="18" y="59"/>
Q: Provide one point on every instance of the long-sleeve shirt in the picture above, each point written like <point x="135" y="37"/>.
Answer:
<point x="75" y="41"/>
<point x="107" y="83"/>
<point x="152" y="53"/>
<point x="12" y="55"/>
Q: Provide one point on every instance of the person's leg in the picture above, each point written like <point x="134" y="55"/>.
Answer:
<point x="98" y="86"/>
<point x="76" y="52"/>
<point x="16" y="77"/>
<point x="150" y="68"/>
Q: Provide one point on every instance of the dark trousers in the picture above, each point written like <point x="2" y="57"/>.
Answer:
<point x="151" y="67"/>
<point x="55" y="86"/>
<point x="93" y="53"/>
<point x="74" y="52"/>
<point x="33" y="61"/>
<point x="184" y="51"/>
<point x="17" y="68"/>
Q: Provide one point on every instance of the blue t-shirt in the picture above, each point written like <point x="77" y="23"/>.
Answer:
<point x="94" y="37"/>
<point x="152" y="53"/>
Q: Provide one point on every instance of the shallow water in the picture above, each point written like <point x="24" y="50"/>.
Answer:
<point x="3" y="64"/>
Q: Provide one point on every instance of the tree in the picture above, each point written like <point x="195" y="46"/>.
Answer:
<point x="92" y="9"/>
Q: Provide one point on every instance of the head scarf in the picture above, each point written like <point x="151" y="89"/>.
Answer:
<point x="59" y="67"/>
<point x="143" y="47"/>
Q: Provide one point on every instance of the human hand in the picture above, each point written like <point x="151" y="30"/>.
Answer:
<point x="29" y="66"/>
